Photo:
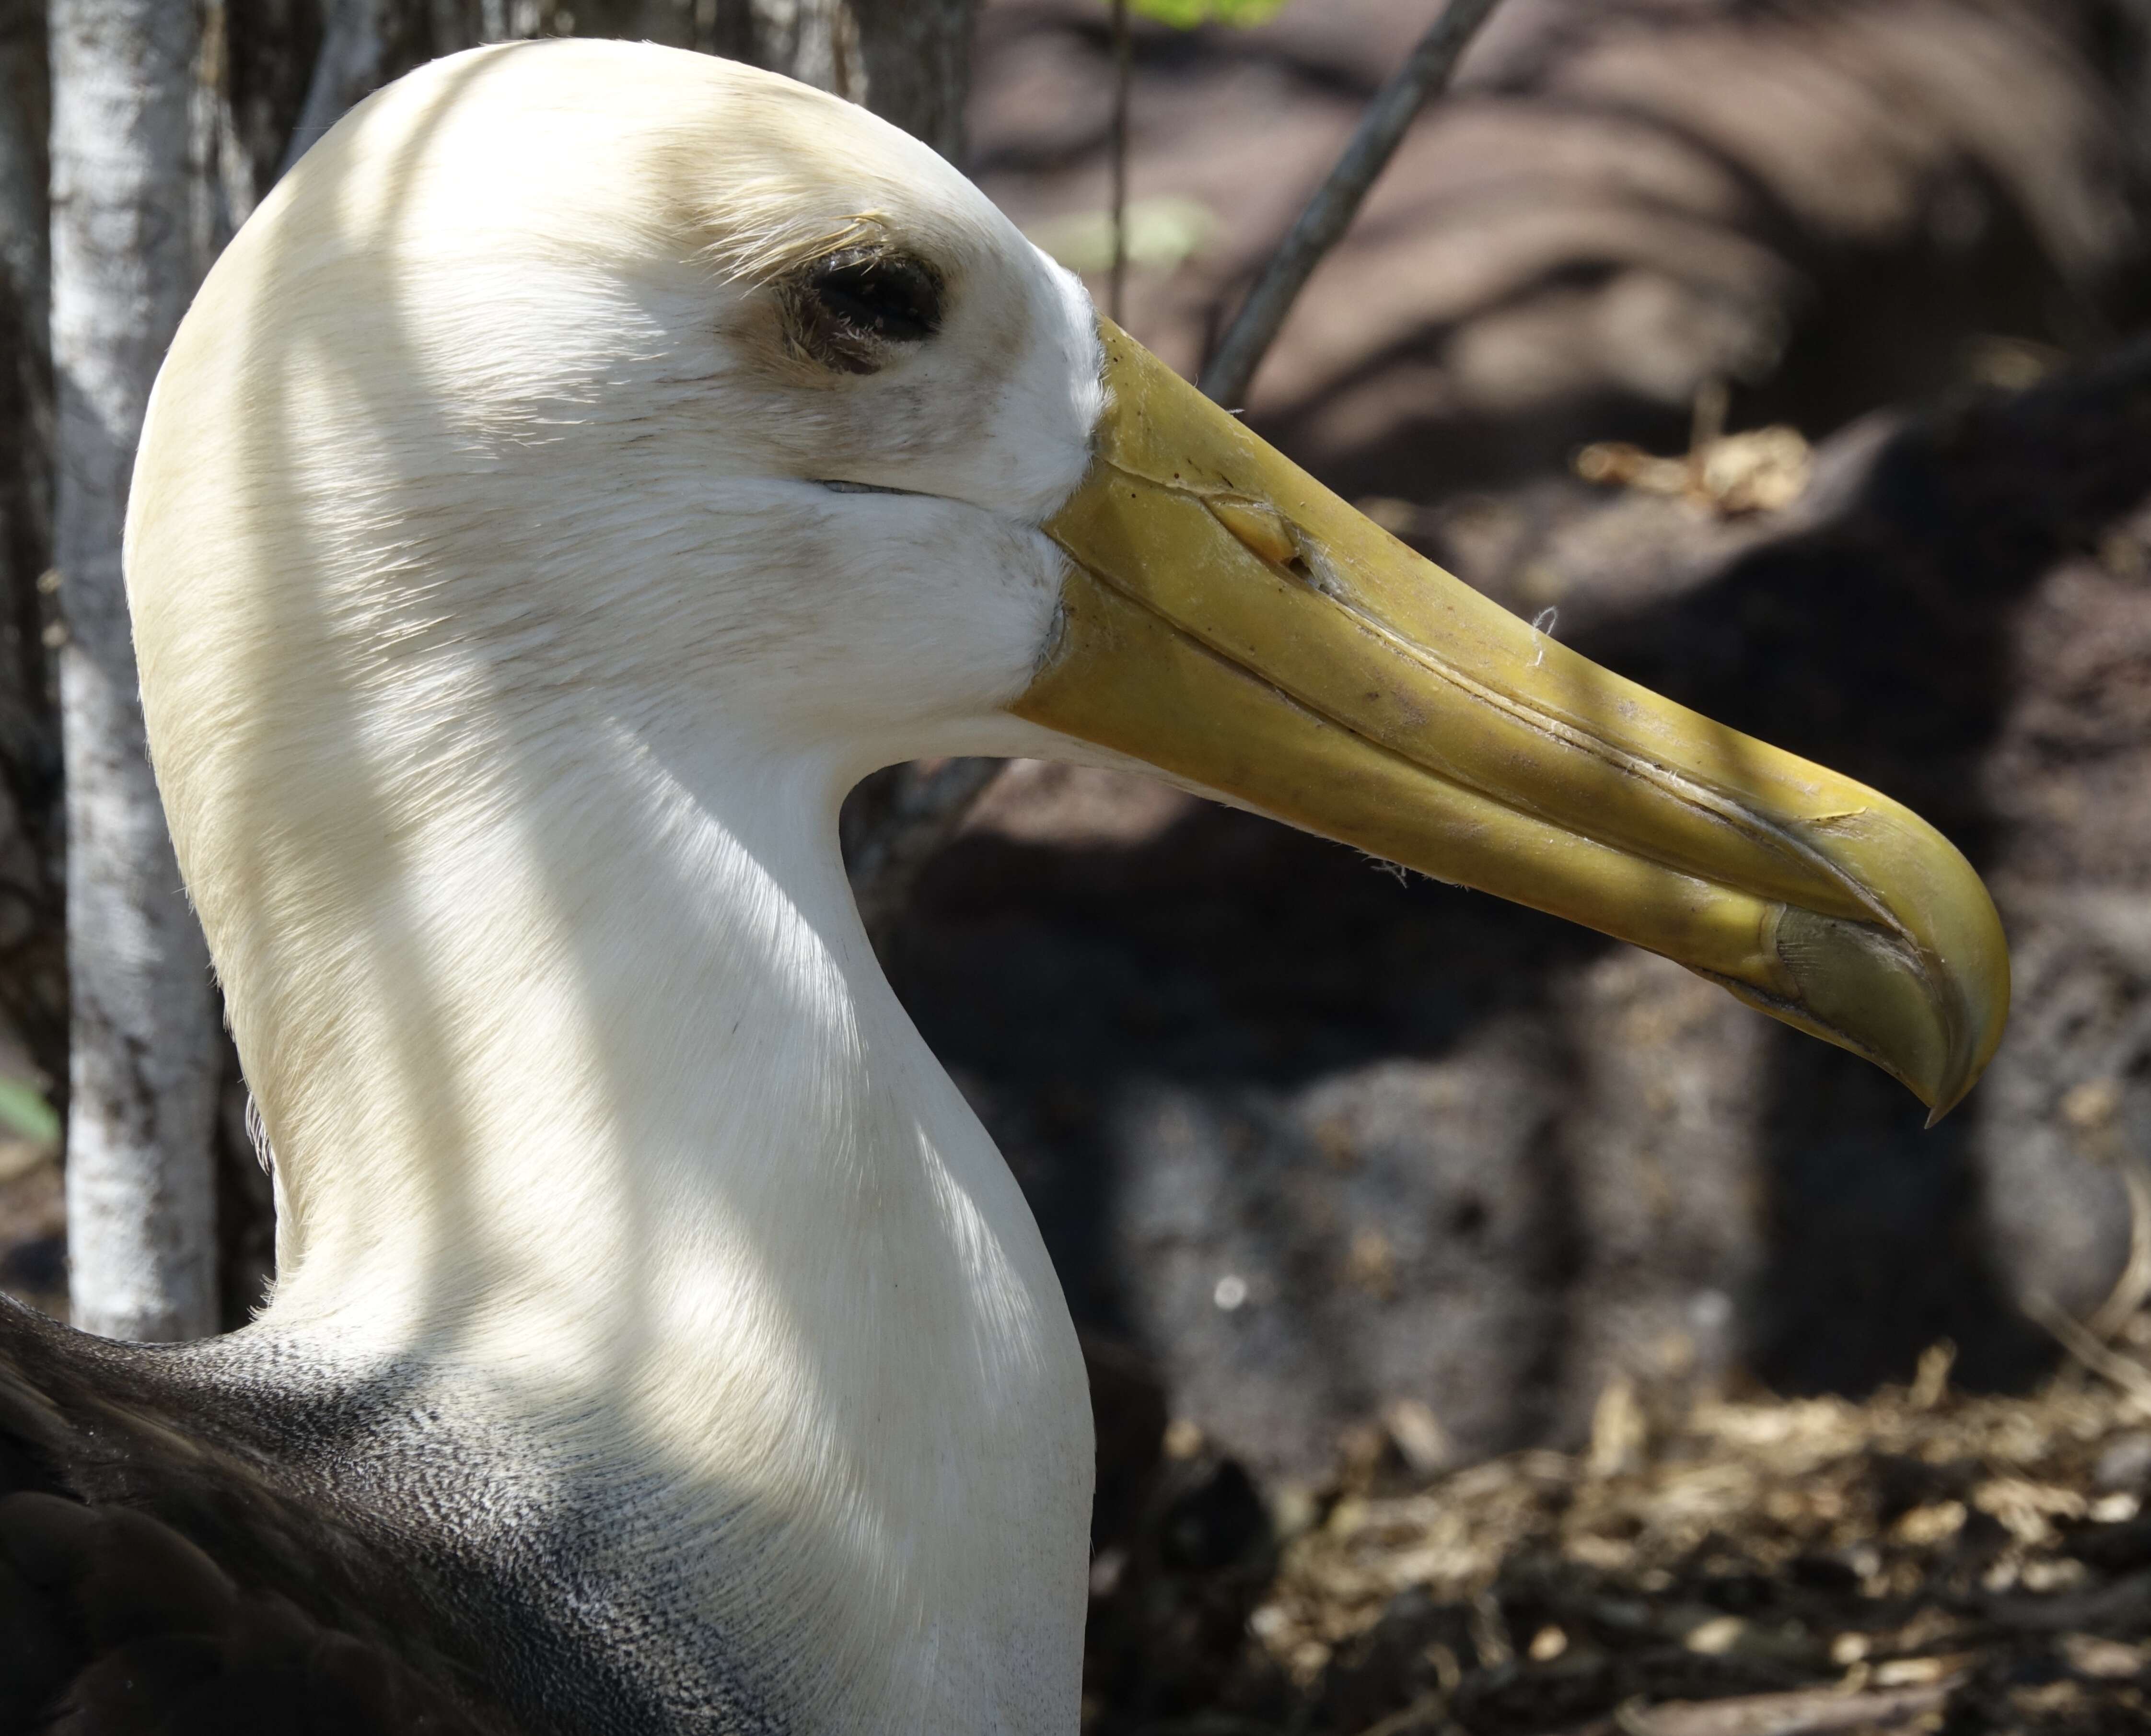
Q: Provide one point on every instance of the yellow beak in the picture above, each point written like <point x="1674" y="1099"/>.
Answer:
<point x="1230" y="621"/>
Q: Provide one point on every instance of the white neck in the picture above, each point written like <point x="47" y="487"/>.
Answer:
<point x="606" y="1106"/>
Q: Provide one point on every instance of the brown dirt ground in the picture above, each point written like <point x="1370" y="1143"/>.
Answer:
<point x="1746" y="1566"/>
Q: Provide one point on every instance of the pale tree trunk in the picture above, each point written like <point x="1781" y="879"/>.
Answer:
<point x="145" y="1056"/>
<point x="815" y="42"/>
<point x="908" y="60"/>
<point x="917" y="56"/>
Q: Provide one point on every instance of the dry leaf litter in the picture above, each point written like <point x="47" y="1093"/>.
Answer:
<point x="1921" y="1561"/>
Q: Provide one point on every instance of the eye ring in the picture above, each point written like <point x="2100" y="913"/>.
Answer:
<point x="849" y="309"/>
<point x="895" y="296"/>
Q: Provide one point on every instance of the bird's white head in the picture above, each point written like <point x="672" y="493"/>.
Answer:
<point x="650" y="380"/>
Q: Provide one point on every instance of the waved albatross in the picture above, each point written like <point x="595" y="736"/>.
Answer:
<point x="589" y="463"/>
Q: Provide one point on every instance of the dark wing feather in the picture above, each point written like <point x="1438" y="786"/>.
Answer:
<point x="153" y="1583"/>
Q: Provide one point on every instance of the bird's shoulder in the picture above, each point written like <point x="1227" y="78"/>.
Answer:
<point x="155" y="1580"/>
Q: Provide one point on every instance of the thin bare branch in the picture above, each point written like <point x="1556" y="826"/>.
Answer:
<point x="2132" y="1288"/>
<point x="140" y="1186"/>
<point x="2124" y="1372"/>
<point x="1330" y="213"/>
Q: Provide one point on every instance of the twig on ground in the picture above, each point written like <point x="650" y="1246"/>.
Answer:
<point x="1803" y="1711"/>
<point x="2132" y="1288"/>
<point x="1424" y="1713"/>
<point x="2126" y="1601"/>
<point x="1337" y="200"/>
<point x="2126" y="1373"/>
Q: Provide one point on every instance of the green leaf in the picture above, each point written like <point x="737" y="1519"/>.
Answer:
<point x="24" y="1112"/>
<point x="1187" y="14"/>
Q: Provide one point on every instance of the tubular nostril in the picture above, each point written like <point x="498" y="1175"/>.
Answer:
<point x="1056" y="635"/>
<point x="1260" y="526"/>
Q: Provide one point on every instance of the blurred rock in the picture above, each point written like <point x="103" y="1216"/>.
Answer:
<point x="2124" y="1465"/>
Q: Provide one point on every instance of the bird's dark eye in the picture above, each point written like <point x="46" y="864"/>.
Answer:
<point x="891" y="295"/>
<point x="849" y="308"/>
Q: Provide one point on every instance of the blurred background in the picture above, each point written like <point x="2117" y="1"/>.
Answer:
<point x="1789" y="357"/>
<point x="1455" y="1152"/>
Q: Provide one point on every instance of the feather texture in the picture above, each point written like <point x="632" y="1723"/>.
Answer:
<point x="154" y="1582"/>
